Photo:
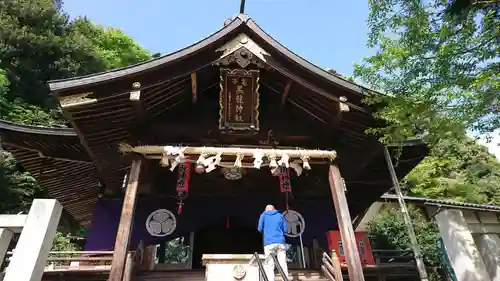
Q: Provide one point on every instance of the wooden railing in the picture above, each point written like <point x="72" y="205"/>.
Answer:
<point x="331" y="267"/>
<point x="93" y="261"/>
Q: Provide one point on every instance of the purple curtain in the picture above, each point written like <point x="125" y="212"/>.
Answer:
<point x="319" y="218"/>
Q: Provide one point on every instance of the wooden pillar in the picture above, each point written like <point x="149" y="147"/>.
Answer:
<point x="125" y="226"/>
<point x="148" y="260"/>
<point x="345" y="225"/>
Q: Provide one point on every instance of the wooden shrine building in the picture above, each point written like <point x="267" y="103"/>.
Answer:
<point x="211" y="133"/>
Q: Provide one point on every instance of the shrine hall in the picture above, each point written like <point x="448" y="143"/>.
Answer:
<point x="191" y="146"/>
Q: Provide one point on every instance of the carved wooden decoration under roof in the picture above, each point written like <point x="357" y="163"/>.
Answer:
<point x="243" y="51"/>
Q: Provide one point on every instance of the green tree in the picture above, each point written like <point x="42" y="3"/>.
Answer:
<point x="114" y="47"/>
<point x="35" y="46"/>
<point x="17" y="188"/>
<point x="39" y="43"/>
<point x="388" y="231"/>
<point x="439" y="71"/>
<point x="461" y="170"/>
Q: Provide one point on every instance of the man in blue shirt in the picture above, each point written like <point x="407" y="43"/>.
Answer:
<point x="273" y="225"/>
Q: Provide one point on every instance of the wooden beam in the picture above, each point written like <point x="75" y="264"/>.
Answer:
<point x="345" y="225"/>
<point x="286" y="92"/>
<point x="125" y="226"/>
<point x="342" y="107"/>
<point x="194" y="87"/>
<point x="77" y="100"/>
<point x="83" y="141"/>
<point x="135" y="98"/>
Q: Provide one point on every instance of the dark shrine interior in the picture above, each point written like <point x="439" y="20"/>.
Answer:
<point x="225" y="236"/>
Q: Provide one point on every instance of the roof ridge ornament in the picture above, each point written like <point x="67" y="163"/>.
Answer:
<point x="243" y="51"/>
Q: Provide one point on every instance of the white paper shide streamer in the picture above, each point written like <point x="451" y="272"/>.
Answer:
<point x="258" y="155"/>
<point x="211" y="157"/>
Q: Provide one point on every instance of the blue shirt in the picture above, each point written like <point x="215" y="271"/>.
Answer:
<point x="273" y="225"/>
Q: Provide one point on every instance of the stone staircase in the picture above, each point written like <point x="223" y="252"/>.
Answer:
<point x="199" y="275"/>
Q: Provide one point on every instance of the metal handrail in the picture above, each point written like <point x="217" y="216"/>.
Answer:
<point x="284" y="277"/>
<point x="261" y="267"/>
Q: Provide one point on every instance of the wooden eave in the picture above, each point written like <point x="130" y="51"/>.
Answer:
<point x="55" y="157"/>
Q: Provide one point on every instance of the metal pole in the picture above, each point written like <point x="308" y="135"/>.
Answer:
<point x="191" y="249"/>
<point x="302" y="252"/>
<point x="242" y="7"/>
<point x="409" y="226"/>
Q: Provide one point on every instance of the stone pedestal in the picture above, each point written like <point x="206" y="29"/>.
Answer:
<point x="221" y="267"/>
<point x="459" y="243"/>
<point x="489" y="247"/>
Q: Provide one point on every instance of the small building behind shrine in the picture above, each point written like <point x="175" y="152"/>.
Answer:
<point x="221" y="128"/>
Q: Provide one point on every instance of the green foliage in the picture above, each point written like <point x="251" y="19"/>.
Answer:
<point x="460" y="170"/>
<point x="176" y="251"/>
<point x="63" y="243"/>
<point x="114" y="47"/>
<point x="437" y="63"/>
<point x="388" y="231"/>
<point x="38" y="43"/>
<point x="18" y="188"/>
<point x="36" y="46"/>
<point x="440" y="72"/>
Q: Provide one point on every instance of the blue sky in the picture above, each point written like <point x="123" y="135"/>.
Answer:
<point x="331" y="34"/>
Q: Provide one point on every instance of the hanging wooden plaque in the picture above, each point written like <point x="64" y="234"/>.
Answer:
<point x="239" y="100"/>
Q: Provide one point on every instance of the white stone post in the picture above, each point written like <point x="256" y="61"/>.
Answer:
<point x="489" y="247"/>
<point x="5" y="237"/>
<point x="459" y="243"/>
<point x="35" y="242"/>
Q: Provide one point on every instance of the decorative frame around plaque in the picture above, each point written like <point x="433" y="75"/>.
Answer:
<point x="239" y="99"/>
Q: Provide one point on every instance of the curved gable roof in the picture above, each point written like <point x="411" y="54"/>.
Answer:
<point x="241" y="20"/>
<point x="36" y="130"/>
